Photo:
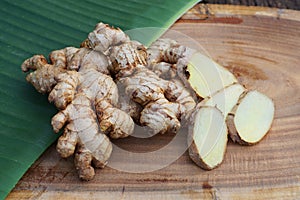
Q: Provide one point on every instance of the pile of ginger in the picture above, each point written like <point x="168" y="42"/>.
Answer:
<point x="111" y="83"/>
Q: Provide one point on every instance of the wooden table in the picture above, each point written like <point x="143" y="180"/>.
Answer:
<point x="261" y="47"/>
<point x="289" y="4"/>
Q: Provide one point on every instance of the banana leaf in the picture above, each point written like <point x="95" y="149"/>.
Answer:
<point x="31" y="27"/>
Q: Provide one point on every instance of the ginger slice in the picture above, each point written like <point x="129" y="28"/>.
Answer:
<point x="251" y="118"/>
<point x="208" y="137"/>
<point x="206" y="76"/>
<point x="224" y="99"/>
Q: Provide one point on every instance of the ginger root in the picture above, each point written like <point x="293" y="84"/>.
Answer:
<point x="247" y="114"/>
<point x="44" y="76"/>
<point x="78" y="84"/>
<point x="82" y="132"/>
<point x="103" y="37"/>
<point x="109" y="83"/>
<point x="96" y="96"/>
<point x="163" y="101"/>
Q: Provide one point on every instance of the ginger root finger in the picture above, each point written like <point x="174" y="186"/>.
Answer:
<point x="44" y="75"/>
<point x="43" y="78"/>
<point x="82" y="131"/>
<point x="163" y="50"/>
<point x="126" y="57"/>
<point x="113" y="120"/>
<point x="64" y="91"/>
<point x="61" y="58"/>
<point x="129" y="106"/>
<point x="82" y="160"/>
<point x="177" y="92"/>
<point x="164" y="70"/>
<point x="147" y="89"/>
<point x="66" y="143"/>
<point x="104" y="36"/>
<point x="162" y="116"/>
<point x="251" y="118"/>
<point x="84" y="58"/>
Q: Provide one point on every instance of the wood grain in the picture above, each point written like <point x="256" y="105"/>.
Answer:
<point x="261" y="47"/>
<point x="289" y="4"/>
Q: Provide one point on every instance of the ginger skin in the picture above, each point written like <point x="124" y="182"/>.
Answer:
<point x="80" y="85"/>
<point x="44" y="75"/>
<point x="87" y="100"/>
<point x="168" y="59"/>
<point x="103" y="37"/>
<point x="82" y="132"/>
<point x="160" y="99"/>
<point x="162" y="106"/>
<point x="94" y="103"/>
<point x="147" y="89"/>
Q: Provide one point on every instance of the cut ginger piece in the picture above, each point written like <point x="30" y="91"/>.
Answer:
<point x="207" y="137"/>
<point x="206" y="76"/>
<point x="251" y="118"/>
<point x="225" y="99"/>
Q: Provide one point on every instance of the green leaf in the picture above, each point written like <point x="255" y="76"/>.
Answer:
<point x="37" y="27"/>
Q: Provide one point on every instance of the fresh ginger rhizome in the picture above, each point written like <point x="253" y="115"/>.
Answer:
<point x="111" y="82"/>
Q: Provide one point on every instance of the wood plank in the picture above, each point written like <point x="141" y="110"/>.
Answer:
<point x="262" y="49"/>
<point x="289" y="4"/>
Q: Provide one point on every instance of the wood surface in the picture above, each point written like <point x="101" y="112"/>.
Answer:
<point x="261" y="47"/>
<point x="289" y="4"/>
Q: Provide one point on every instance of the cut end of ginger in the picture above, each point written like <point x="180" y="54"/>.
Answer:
<point x="208" y="138"/>
<point x="251" y="119"/>
<point x="206" y="76"/>
<point x="225" y="99"/>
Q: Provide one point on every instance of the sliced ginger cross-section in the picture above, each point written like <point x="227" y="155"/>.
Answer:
<point x="207" y="137"/>
<point x="205" y="76"/>
<point x="251" y="118"/>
